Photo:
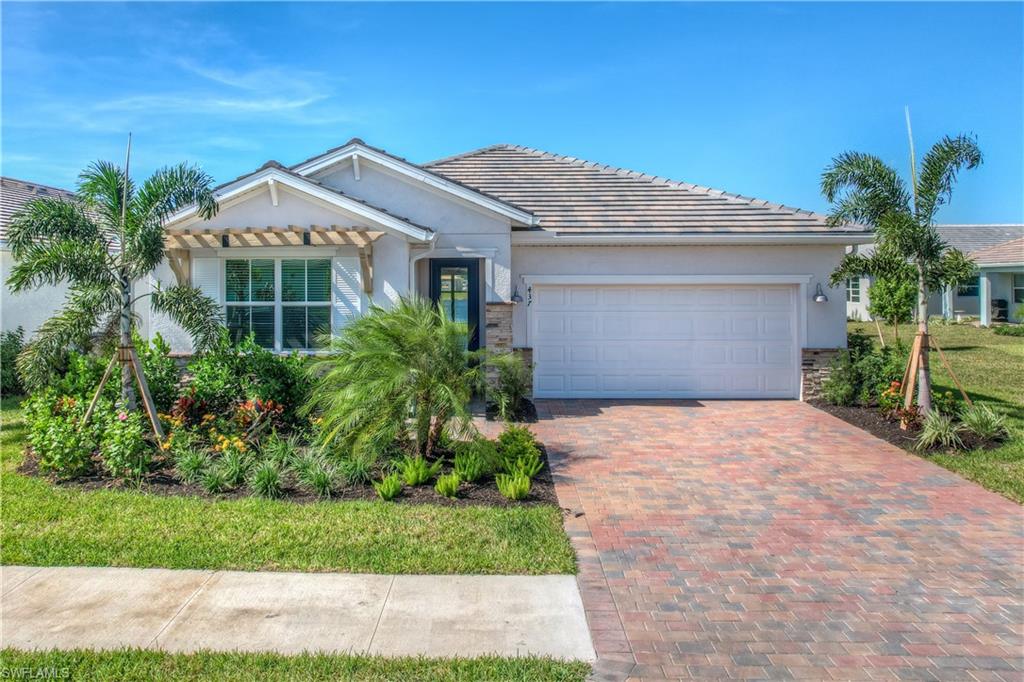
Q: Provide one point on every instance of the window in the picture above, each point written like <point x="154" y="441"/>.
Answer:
<point x="969" y="290"/>
<point x="853" y="290"/>
<point x="306" y="302"/>
<point x="1018" y="288"/>
<point x="284" y="302"/>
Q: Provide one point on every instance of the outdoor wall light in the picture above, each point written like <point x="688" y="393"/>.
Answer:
<point x="819" y="295"/>
<point x="516" y="298"/>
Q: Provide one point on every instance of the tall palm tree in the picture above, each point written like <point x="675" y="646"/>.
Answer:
<point x="863" y="189"/>
<point x="109" y="236"/>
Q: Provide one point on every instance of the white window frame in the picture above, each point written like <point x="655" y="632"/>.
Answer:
<point x="853" y="290"/>
<point x="277" y="303"/>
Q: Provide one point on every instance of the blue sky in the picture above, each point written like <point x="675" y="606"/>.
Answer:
<point x="750" y="98"/>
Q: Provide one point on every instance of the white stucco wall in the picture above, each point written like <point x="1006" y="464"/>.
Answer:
<point x="462" y="230"/>
<point x="826" y="322"/>
<point x="29" y="309"/>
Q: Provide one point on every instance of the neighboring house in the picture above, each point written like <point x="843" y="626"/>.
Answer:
<point x="973" y="240"/>
<point x="31" y="308"/>
<point x="615" y="283"/>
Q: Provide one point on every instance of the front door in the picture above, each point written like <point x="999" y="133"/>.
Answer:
<point x="455" y="286"/>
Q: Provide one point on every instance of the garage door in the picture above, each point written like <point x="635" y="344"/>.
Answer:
<point x="667" y="341"/>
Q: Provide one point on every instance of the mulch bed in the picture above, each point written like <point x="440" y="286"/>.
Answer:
<point x="162" y="481"/>
<point x="874" y="422"/>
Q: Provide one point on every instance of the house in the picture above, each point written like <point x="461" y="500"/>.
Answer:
<point x="615" y="284"/>
<point x="1005" y="287"/>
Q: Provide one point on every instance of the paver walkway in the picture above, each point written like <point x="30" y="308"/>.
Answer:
<point x="404" y="615"/>
<point x="754" y="540"/>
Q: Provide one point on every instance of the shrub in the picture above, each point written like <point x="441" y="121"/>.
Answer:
<point x="860" y="374"/>
<point x="447" y="485"/>
<point x="983" y="422"/>
<point x="388" y="487"/>
<point x="160" y="369"/>
<point x="214" y="480"/>
<point x="319" y="477"/>
<point x="123" y="448"/>
<point x="940" y="430"/>
<point x="357" y="468"/>
<point x="190" y="464"/>
<point x="416" y="470"/>
<point x="82" y="376"/>
<point x="55" y="434"/>
<point x="513" y="486"/>
<point x="1009" y="330"/>
<point x="511" y="384"/>
<point x="283" y="451"/>
<point x="235" y="465"/>
<point x="11" y="344"/>
<point x="470" y="464"/>
<point x="946" y="403"/>
<point x="265" y="480"/>
<point x="390" y="365"/>
<point x="519" y="451"/>
<point x="227" y="374"/>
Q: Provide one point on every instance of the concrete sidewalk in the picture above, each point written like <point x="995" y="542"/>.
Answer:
<point x="387" y="615"/>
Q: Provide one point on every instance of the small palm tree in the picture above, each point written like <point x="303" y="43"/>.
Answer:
<point x="109" y="236"/>
<point x="863" y="189"/>
<point x="409" y="361"/>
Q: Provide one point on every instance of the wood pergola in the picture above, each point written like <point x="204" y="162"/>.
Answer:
<point x="180" y="242"/>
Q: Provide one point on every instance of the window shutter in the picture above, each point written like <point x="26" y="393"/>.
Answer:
<point x="346" y="291"/>
<point x="206" y="277"/>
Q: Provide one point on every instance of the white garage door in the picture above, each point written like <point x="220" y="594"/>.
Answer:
<point x="666" y="341"/>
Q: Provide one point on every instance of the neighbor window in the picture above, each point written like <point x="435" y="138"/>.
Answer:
<point x="853" y="290"/>
<point x="1018" y="288"/>
<point x="969" y="290"/>
<point x="284" y="302"/>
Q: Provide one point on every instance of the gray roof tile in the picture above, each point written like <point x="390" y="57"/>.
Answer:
<point x="572" y="195"/>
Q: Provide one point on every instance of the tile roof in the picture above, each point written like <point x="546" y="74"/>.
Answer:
<point x="972" y="238"/>
<point x="572" y="195"/>
<point x="1007" y="253"/>
<point x="16" y="193"/>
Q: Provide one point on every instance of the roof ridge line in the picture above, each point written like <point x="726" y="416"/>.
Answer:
<point x="33" y="183"/>
<point x="463" y="155"/>
<point x="637" y="175"/>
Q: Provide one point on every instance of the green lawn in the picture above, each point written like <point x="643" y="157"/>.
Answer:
<point x="134" y="664"/>
<point x="47" y="525"/>
<point x="991" y="368"/>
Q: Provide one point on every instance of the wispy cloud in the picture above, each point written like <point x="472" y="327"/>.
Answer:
<point x="201" y="103"/>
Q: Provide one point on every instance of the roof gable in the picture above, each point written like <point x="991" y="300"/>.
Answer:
<point x="272" y="173"/>
<point x="359" y="151"/>
<point x="570" y="195"/>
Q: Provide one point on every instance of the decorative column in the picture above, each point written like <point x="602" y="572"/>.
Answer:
<point x="985" y="299"/>
<point x="947" y="303"/>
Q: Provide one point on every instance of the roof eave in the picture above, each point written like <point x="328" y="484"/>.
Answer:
<point x="550" y="238"/>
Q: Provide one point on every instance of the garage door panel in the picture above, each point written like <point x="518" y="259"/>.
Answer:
<point x="665" y="341"/>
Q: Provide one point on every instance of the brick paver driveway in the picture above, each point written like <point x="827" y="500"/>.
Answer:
<point x="728" y="539"/>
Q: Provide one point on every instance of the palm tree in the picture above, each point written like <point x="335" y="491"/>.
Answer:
<point x="863" y="189"/>
<point x="390" y="365"/>
<point x="109" y="236"/>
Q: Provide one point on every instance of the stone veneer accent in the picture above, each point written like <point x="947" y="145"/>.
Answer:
<point x="498" y="334"/>
<point x="816" y="364"/>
